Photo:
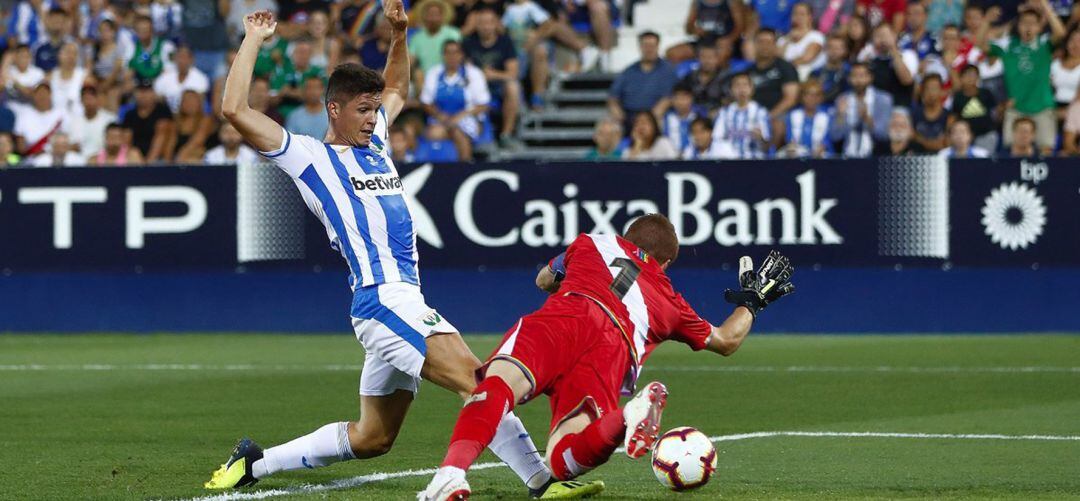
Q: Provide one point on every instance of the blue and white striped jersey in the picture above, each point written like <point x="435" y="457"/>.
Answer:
<point x="357" y="194"/>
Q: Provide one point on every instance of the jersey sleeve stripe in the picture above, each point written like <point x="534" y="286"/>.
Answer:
<point x="315" y="184"/>
<point x="399" y="233"/>
<point x="287" y="140"/>
<point x="360" y="214"/>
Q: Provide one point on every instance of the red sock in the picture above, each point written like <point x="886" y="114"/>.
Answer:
<point x="477" y="422"/>
<point x="577" y="453"/>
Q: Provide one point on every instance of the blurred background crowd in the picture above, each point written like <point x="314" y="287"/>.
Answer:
<point x="128" y="82"/>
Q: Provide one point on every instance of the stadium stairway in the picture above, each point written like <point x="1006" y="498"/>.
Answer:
<point x="563" y="129"/>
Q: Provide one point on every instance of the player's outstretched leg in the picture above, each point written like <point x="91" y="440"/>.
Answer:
<point x="237" y="470"/>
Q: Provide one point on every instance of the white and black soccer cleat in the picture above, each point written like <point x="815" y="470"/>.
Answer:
<point x="449" y="484"/>
<point x="642" y="415"/>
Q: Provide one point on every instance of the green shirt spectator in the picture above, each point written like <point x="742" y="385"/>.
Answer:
<point x="1027" y="72"/>
<point x="426" y="44"/>
<point x="271" y="57"/>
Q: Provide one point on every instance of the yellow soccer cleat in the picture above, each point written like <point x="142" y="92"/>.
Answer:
<point x="572" y="489"/>
<point x="236" y="472"/>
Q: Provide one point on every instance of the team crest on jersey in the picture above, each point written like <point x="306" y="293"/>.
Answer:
<point x="376" y="145"/>
<point x="431" y="319"/>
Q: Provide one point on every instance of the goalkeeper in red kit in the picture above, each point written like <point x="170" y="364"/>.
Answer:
<point x="611" y="304"/>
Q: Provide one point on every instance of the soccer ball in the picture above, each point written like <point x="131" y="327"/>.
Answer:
<point x="683" y="458"/>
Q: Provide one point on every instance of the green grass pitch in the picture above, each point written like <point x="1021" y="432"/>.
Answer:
<point x="105" y="417"/>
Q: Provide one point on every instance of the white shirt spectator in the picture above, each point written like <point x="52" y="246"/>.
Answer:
<point x="217" y="156"/>
<point x="66" y="94"/>
<point x="1065" y="81"/>
<point x="34" y="125"/>
<point x="70" y="159"/>
<point x="169" y="86"/>
<point x="733" y="131"/>
<point x="794" y="49"/>
<point x="711" y="153"/>
<point x="89" y="133"/>
<point x="444" y="91"/>
<point x="29" y="78"/>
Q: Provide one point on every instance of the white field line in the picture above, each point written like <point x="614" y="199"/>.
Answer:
<point x="648" y="368"/>
<point x="379" y="477"/>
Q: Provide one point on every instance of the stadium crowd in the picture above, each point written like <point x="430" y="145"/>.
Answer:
<point x="124" y="82"/>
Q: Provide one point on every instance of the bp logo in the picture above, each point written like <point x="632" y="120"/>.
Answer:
<point x="1014" y="216"/>
<point x="432" y="318"/>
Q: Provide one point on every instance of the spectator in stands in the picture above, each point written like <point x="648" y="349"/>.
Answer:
<point x="676" y="125"/>
<point x="878" y="12"/>
<point x="401" y="149"/>
<point x="531" y="27"/>
<point x="204" y="30"/>
<point x="455" y="94"/>
<point x="151" y="124"/>
<point x="862" y="115"/>
<point x="374" y="51"/>
<point x="1023" y="139"/>
<point x="833" y="75"/>
<point x="287" y="80"/>
<point x="832" y="14"/>
<point x="1065" y="72"/>
<point x="598" y="16"/>
<point x="978" y="107"/>
<point x="803" y="46"/>
<point x="917" y="37"/>
<point x="709" y="82"/>
<point x="97" y="12"/>
<point x="67" y="79"/>
<point x="436" y="145"/>
<point x="646" y="141"/>
<point x="742" y="129"/>
<point x="708" y="22"/>
<point x="426" y="44"/>
<point x="960" y="143"/>
<point x="773" y="15"/>
<point x="21" y="75"/>
<point x="1070" y="142"/>
<point x="1027" y="57"/>
<point x="47" y="49"/>
<point x="893" y="69"/>
<point x="857" y="35"/>
<point x="8" y="157"/>
<point x="776" y="82"/>
<point x="184" y="76"/>
<point x="310" y="118"/>
<point x="701" y="145"/>
<point x="109" y="63"/>
<point x="495" y="55"/>
<point x="325" y="47"/>
<point x="25" y="26"/>
<point x="7" y="119"/>
<point x="900" y="135"/>
<point x="607" y="137"/>
<point x="194" y="129"/>
<point x="118" y="150"/>
<point x="59" y="153"/>
<point x="87" y="127"/>
<point x="151" y="52"/>
<point x="807" y="127"/>
<point x="259" y="100"/>
<point x="941" y="13"/>
<point x="232" y="149"/>
<point x="991" y="70"/>
<point x="273" y="54"/>
<point x="644" y="85"/>
<point x="952" y="59"/>
<point x="168" y="17"/>
<point x="929" y="116"/>
<point x="34" y="123"/>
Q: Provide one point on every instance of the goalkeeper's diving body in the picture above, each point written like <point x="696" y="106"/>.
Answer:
<point x="350" y="183"/>
<point x="611" y="304"/>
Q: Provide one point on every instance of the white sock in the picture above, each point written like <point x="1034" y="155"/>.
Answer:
<point x="322" y="447"/>
<point x="514" y="446"/>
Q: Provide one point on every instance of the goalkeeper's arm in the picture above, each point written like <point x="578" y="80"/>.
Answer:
<point x="728" y="336"/>
<point x="550" y="276"/>
<point x="770" y="283"/>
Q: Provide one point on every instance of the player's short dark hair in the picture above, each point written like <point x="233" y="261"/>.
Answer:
<point x="655" y="235"/>
<point x="350" y="80"/>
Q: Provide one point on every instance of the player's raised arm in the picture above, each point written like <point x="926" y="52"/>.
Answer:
<point x="550" y="276"/>
<point x="397" y="71"/>
<point x="771" y="282"/>
<point x="258" y="129"/>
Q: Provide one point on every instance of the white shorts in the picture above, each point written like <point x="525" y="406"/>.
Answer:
<point x="392" y="321"/>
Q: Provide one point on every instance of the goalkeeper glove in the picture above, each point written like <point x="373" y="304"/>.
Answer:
<point x="771" y="282"/>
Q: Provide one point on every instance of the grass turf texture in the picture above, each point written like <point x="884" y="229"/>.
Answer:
<point x="122" y="432"/>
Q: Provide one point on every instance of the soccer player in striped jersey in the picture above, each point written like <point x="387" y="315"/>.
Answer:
<point x="349" y="182"/>
<point x="611" y="305"/>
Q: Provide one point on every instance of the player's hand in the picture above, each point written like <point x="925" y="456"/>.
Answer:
<point x="771" y="282"/>
<point x="395" y="13"/>
<point x="260" y="25"/>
